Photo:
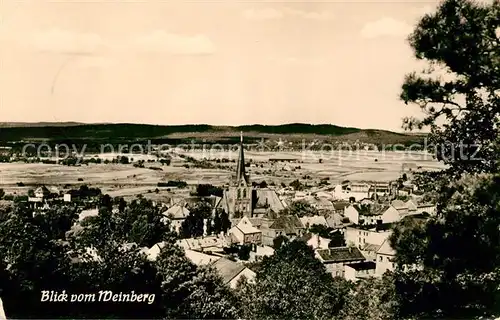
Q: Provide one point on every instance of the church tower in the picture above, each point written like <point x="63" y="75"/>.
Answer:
<point x="241" y="191"/>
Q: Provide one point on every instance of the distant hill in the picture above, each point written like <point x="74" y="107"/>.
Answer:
<point x="38" y="124"/>
<point x="70" y="131"/>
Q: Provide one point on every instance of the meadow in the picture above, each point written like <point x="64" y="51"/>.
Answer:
<point x="127" y="180"/>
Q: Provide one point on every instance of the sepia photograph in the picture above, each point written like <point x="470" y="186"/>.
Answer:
<point x="229" y="159"/>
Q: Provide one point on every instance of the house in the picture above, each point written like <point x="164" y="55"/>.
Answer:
<point x="405" y="191"/>
<point x="352" y="213"/>
<point x="385" y="258"/>
<point x="67" y="197"/>
<point x="310" y="221"/>
<point x="348" y="190"/>
<point x="384" y="214"/>
<point x="339" y="206"/>
<point x="336" y="221"/>
<point x="369" y="250"/>
<point x="417" y="206"/>
<point x="177" y="214"/>
<point x="360" y="270"/>
<point x="205" y="244"/>
<point x="359" y="190"/>
<point x="245" y="233"/>
<point x="379" y="189"/>
<point x="42" y="192"/>
<point x="322" y="204"/>
<point x="426" y="207"/>
<point x="266" y="201"/>
<point x="360" y="237"/>
<point x="411" y="204"/>
<point x="400" y="206"/>
<point x="200" y="258"/>
<point x="335" y="259"/>
<point x="232" y="272"/>
<point x="289" y="226"/>
<point x="153" y="252"/>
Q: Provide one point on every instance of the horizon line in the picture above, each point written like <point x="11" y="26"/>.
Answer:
<point x="204" y="124"/>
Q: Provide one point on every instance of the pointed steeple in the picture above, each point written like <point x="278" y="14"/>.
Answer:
<point x="240" y="169"/>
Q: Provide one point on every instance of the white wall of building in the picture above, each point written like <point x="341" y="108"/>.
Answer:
<point x="359" y="237"/>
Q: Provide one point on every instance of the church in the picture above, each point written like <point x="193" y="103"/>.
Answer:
<point x="241" y="199"/>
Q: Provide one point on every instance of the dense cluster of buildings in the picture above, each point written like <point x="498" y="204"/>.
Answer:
<point x="362" y="212"/>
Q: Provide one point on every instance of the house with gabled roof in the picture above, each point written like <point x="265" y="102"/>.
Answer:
<point x="177" y="214"/>
<point x="335" y="259"/>
<point x="42" y="192"/>
<point x="352" y="212"/>
<point x="245" y="233"/>
<point x="385" y="258"/>
<point x="361" y="236"/>
<point x="200" y="258"/>
<point x="339" y="206"/>
<point x="381" y="214"/>
<point x="232" y="272"/>
<point x="289" y="226"/>
<point x="400" y="206"/>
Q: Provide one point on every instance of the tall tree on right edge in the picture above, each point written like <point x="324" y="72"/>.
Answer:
<point x="448" y="265"/>
<point x="462" y="42"/>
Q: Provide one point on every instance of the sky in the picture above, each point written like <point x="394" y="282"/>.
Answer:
<point x="214" y="62"/>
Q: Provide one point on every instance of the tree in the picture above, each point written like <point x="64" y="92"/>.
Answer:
<point x="244" y="252"/>
<point x="107" y="202"/>
<point x="296" y="185"/>
<point x="337" y="239"/>
<point x="124" y="160"/>
<point x="457" y="254"/>
<point x="192" y="293"/>
<point x="2" y="193"/>
<point x="122" y="204"/>
<point x="193" y="225"/>
<point x="225" y="222"/>
<point x="293" y="284"/>
<point x="320" y="230"/>
<point x="372" y="298"/>
<point x="301" y="208"/>
<point x="205" y="190"/>
<point x="279" y="241"/>
<point x="35" y="262"/>
<point x="462" y="39"/>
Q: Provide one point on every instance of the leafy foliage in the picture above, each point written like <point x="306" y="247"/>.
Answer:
<point x="457" y="253"/>
<point x="461" y="38"/>
<point x="372" y="299"/>
<point x="301" y="209"/>
<point x="293" y="284"/>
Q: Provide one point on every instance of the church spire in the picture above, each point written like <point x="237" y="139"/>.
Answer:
<point x="240" y="169"/>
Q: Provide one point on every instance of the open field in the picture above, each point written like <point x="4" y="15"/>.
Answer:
<point x="126" y="180"/>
